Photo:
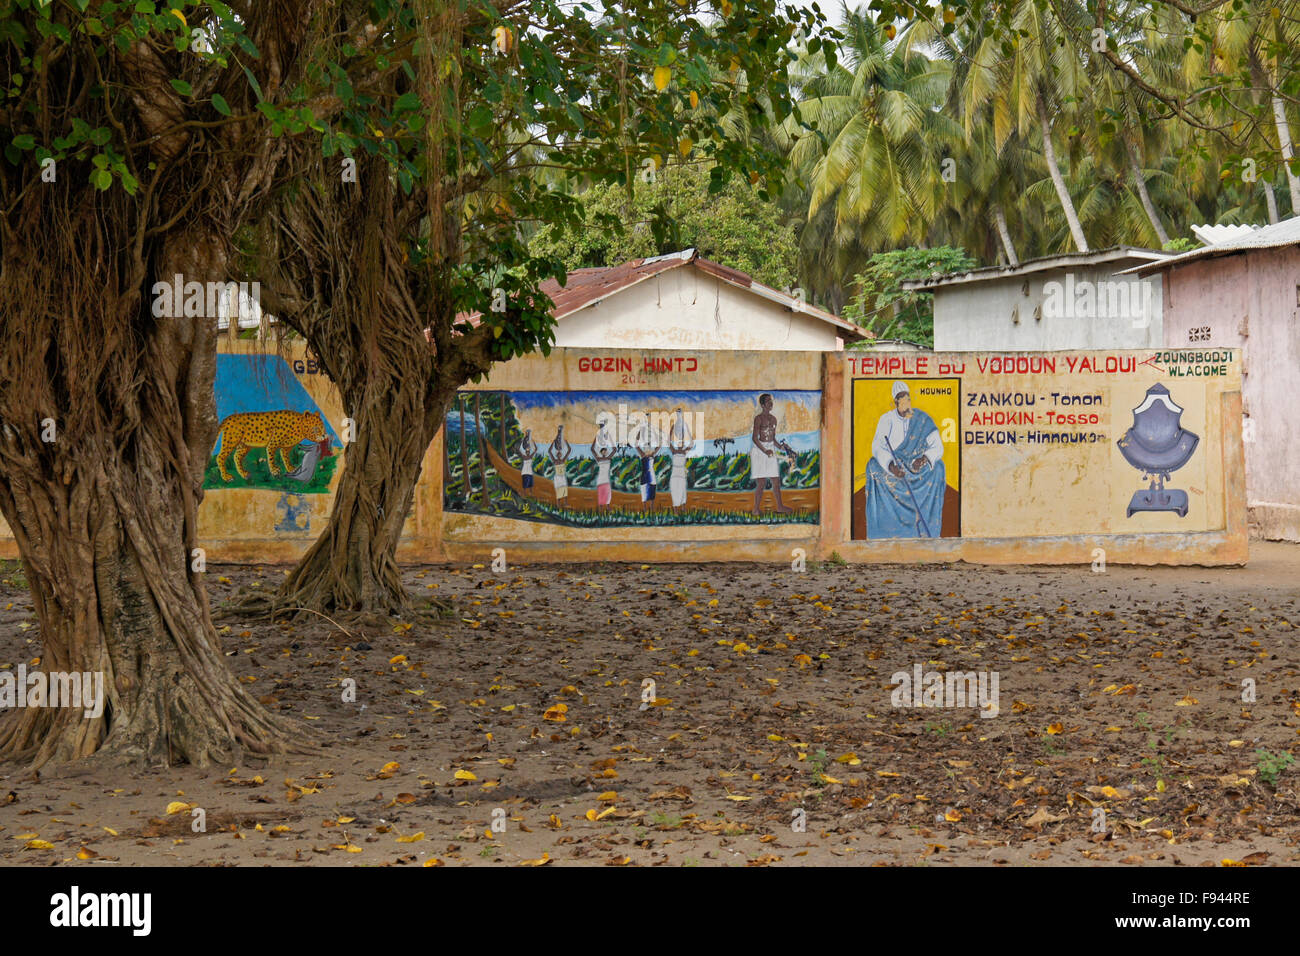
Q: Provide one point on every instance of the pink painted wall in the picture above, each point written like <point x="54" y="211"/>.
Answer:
<point x="1249" y="301"/>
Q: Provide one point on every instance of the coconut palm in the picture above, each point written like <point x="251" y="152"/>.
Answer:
<point x="876" y="156"/>
<point x="1020" y="80"/>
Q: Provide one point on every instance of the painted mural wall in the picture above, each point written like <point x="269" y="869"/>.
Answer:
<point x="978" y="445"/>
<point x="1248" y="302"/>
<point x="653" y="446"/>
<point x="278" y="452"/>
<point x="626" y="455"/>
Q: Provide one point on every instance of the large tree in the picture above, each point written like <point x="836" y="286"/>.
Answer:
<point x="416" y="275"/>
<point x="138" y="140"/>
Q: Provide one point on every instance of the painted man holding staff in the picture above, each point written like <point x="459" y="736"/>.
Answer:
<point x="905" y="474"/>
<point x="765" y="455"/>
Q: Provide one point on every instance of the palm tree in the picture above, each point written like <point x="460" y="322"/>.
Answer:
<point x="1019" y="81"/>
<point x="876" y="157"/>
<point x="1252" y="48"/>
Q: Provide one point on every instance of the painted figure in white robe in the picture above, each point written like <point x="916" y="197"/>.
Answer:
<point x="905" y="474"/>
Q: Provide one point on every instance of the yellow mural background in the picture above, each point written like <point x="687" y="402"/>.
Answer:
<point x="873" y="397"/>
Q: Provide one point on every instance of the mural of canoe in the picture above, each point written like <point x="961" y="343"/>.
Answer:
<point x="584" y="499"/>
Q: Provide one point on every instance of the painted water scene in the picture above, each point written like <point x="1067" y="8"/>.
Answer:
<point x="655" y="458"/>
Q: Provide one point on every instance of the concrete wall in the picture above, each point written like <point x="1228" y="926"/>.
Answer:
<point x="1008" y="498"/>
<point x="1026" y="314"/>
<point x="1249" y="302"/>
<point x="686" y="308"/>
<point x="1001" y="498"/>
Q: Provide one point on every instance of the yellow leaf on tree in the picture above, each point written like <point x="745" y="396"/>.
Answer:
<point x="663" y="76"/>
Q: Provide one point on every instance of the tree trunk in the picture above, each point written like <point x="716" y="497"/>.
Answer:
<point x="461" y="409"/>
<point x="106" y="520"/>
<point x="505" y="447"/>
<point x="1270" y="201"/>
<point x="1140" y="181"/>
<point x="1054" y="170"/>
<point x="478" y="434"/>
<point x="1004" y="234"/>
<point x="353" y="565"/>
<point x="1288" y="152"/>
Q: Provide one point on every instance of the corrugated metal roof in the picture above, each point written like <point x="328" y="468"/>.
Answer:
<point x="1276" y="236"/>
<point x="1211" y="234"/>
<point x="1041" y="264"/>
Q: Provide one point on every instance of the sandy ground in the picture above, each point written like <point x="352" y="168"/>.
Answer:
<point x="512" y="731"/>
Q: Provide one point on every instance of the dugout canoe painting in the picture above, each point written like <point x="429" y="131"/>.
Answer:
<point x="635" y="458"/>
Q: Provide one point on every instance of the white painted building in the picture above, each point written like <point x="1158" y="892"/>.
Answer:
<point x="681" y="301"/>
<point x="1055" y="303"/>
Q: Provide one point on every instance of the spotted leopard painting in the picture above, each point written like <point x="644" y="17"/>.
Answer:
<point x="272" y="434"/>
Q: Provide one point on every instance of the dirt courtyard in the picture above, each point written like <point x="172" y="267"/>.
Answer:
<point x="1143" y="717"/>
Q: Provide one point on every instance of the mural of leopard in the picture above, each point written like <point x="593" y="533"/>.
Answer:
<point x="274" y="431"/>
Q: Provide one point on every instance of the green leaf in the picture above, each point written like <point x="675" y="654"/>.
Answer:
<point x="220" y="105"/>
<point x="25" y="141"/>
<point x="181" y="87"/>
<point x="102" y="179"/>
<point x="252" y="80"/>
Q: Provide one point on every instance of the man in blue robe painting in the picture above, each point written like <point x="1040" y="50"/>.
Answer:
<point x="905" y="474"/>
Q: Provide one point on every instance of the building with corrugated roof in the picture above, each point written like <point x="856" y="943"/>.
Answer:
<point x="683" y="301"/>
<point x="1053" y="303"/>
